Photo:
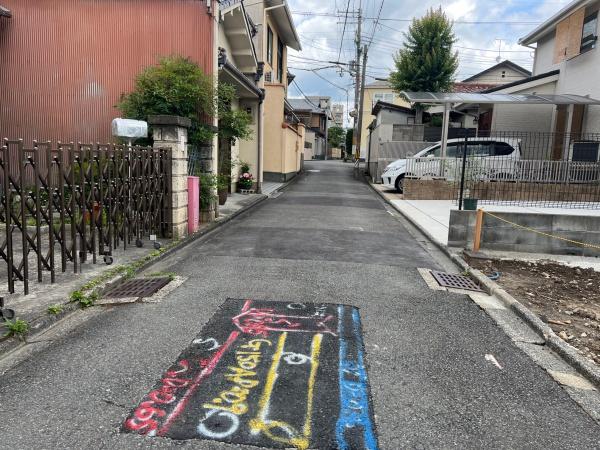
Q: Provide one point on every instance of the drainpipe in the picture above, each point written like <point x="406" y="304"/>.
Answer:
<point x="259" y="164"/>
<point x="368" y="171"/>
<point x="326" y="136"/>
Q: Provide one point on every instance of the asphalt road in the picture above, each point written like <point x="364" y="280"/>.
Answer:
<point x="327" y="239"/>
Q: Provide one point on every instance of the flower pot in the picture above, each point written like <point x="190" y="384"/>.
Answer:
<point x="207" y="215"/>
<point x="87" y="214"/>
<point x="222" y="196"/>
<point x="469" y="204"/>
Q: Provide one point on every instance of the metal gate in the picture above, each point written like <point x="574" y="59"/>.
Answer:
<point x="69" y="201"/>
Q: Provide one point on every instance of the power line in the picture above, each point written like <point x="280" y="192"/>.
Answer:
<point x="343" y="30"/>
<point x="466" y="22"/>
<point x="304" y="95"/>
<point x="375" y="25"/>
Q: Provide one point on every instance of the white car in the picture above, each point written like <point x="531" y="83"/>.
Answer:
<point x="497" y="158"/>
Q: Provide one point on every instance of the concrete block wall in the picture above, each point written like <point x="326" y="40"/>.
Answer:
<point x="429" y="190"/>
<point x="499" y="235"/>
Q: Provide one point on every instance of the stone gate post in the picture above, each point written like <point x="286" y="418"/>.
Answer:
<point x="172" y="132"/>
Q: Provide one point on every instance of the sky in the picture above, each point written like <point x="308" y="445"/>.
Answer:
<point x="485" y="29"/>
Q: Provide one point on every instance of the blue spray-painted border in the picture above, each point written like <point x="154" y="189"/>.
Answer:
<point x="354" y="396"/>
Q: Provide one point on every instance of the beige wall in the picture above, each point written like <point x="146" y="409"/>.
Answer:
<point x="273" y="27"/>
<point x="495" y="76"/>
<point x="367" y="118"/>
<point x="293" y="147"/>
<point x="273" y="119"/>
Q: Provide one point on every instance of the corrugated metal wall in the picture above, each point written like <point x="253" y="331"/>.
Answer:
<point x="65" y="63"/>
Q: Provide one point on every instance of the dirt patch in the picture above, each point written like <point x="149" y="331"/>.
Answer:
<point x="566" y="298"/>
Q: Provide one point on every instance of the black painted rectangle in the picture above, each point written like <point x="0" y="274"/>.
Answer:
<point x="270" y="374"/>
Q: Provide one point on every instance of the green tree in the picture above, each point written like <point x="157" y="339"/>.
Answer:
<point x="427" y="61"/>
<point x="233" y="123"/>
<point x="336" y="136"/>
<point x="349" y="136"/>
<point x="175" y="86"/>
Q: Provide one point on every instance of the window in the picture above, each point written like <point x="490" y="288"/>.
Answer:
<point x="588" y="33"/>
<point x="384" y="97"/>
<point x="567" y="40"/>
<point x="473" y="149"/>
<point x="269" y="46"/>
<point x="504" y="74"/>
<point x="502" y="149"/>
<point x="307" y="144"/>
<point x="279" y="60"/>
<point x="435" y="151"/>
<point x="453" y="150"/>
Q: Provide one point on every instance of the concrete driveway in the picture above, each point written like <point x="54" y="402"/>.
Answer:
<point x="327" y="239"/>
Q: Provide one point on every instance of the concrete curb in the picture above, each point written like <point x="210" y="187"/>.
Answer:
<point x="567" y="352"/>
<point x="43" y="324"/>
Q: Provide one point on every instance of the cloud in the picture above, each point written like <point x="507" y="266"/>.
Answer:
<point x="478" y="43"/>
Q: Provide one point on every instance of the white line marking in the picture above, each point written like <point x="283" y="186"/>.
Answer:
<point x="493" y="360"/>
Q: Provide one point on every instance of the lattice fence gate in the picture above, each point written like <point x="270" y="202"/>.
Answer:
<point x="77" y="200"/>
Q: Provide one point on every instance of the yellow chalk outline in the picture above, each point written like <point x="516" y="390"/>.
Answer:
<point x="260" y="423"/>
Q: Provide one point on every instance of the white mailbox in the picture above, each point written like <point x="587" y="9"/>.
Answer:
<point x="129" y="128"/>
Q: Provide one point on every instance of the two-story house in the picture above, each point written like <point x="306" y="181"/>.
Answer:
<point x="566" y="45"/>
<point x="283" y="140"/>
<point x="314" y="114"/>
<point x="379" y="90"/>
<point x="238" y="66"/>
<point x="566" y="61"/>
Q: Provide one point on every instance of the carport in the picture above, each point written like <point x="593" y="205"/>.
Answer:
<point x="449" y="100"/>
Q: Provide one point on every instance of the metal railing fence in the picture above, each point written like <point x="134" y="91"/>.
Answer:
<point x="68" y="201"/>
<point x="518" y="168"/>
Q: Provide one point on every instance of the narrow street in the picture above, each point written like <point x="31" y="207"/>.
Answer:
<point x="326" y="239"/>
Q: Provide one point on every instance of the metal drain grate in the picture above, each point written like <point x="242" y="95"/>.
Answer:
<point x="455" y="281"/>
<point x="140" y="287"/>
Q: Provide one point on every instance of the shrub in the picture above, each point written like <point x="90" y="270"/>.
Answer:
<point x="176" y="86"/>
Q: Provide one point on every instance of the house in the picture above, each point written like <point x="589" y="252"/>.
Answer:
<point x="239" y="67"/>
<point x="566" y="61"/>
<point x="567" y="43"/>
<point x="502" y="73"/>
<point x="379" y="90"/>
<point x="324" y="104"/>
<point x="311" y="113"/>
<point x="391" y="135"/>
<point x="65" y="63"/>
<point x="283" y="138"/>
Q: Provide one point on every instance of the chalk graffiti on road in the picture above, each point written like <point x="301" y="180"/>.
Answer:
<point x="354" y="397"/>
<point x="267" y="374"/>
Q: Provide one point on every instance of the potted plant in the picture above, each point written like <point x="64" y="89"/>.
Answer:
<point x="246" y="180"/>
<point x="472" y="176"/>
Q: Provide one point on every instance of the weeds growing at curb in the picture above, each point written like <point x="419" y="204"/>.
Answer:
<point x="170" y="275"/>
<point x="126" y="270"/>
<point x="17" y="328"/>
<point x="55" y="309"/>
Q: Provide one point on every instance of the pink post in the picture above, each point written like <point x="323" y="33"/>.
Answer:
<point x="193" y="186"/>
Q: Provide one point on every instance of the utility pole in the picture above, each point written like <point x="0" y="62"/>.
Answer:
<point x="357" y="86"/>
<point x="362" y="102"/>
